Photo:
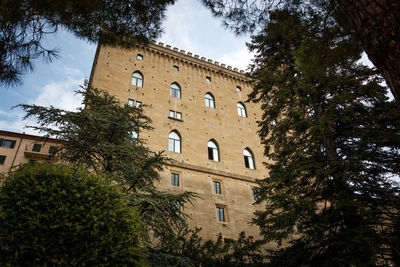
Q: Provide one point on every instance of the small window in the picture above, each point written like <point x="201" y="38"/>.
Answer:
<point x="248" y="159"/>
<point x="208" y="79"/>
<point x="7" y="143"/>
<point x="175" y="115"/>
<point x="135" y="134"/>
<point x="217" y="187"/>
<point x="174" y="179"/>
<point x="209" y="100"/>
<point x="175" y="90"/>
<point x="213" y="151"/>
<point x="131" y="102"/>
<point x="138" y="104"/>
<point x="174" y="142"/>
<point x="139" y="57"/>
<point x="241" y="110"/>
<point x="220" y="214"/>
<point x="176" y="68"/>
<point x="255" y="196"/>
<point x="238" y="88"/>
<point x="177" y="208"/>
<point x="53" y="150"/>
<point x="137" y="79"/>
<point x="37" y="147"/>
<point x="2" y="159"/>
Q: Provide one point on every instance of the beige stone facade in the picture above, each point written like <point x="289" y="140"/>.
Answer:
<point x="160" y="67"/>
<point x="20" y="148"/>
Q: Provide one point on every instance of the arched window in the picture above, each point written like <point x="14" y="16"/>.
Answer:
<point x="213" y="151"/>
<point x="174" y="142"/>
<point x="175" y="90"/>
<point x="241" y="110"/>
<point x="137" y="79"/>
<point x="209" y="100"/>
<point x="248" y="159"/>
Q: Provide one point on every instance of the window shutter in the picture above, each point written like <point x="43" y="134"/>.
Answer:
<point x="210" y="153"/>
<point x="246" y="162"/>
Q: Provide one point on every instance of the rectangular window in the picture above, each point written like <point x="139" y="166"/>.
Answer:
<point x="217" y="187"/>
<point x="176" y="68"/>
<point x="238" y="88"/>
<point x="178" y="208"/>
<point x="254" y="191"/>
<point x="175" y="115"/>
<point x="53" y="150"/>
<point x="220" y="214"/>
<point x="138" y="104"/>
<point x="208" y="79"/>
<point x="131" y="102"/>
<point x="7" y="143"/>
<point x="139" y="57"/>
<point x="2" y="159"/>
<point x="37" y="147"/>
<point x="174" y="179"/>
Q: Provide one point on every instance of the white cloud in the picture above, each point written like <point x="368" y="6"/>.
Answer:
<point x="191" y="27"/>
<point x="238" y="59"/>
<point x="60" y="94"/>
<point x="14" y="122"/>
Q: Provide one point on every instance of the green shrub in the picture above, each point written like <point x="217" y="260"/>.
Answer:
<point x="61" y="215"/>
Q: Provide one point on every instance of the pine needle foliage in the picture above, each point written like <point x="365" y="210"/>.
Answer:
<point x="191" y="250"/>
<point x="25" y="24"/>
<point x="334" y="140"/>
<point x="102" y="137"/>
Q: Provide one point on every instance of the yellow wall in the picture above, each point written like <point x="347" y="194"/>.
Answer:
<point x="22" y="151"/>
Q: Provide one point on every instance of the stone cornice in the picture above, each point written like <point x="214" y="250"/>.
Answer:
<point x="212" y="171"/>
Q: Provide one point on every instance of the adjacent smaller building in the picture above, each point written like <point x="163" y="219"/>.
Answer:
<point x="20" y="148"/>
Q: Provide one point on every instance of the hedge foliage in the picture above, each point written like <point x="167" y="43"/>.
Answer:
<point x="63" y="215"/>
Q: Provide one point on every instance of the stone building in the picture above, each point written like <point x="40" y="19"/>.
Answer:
<point x="201" y="121"/>
<point x="20" y="148"/>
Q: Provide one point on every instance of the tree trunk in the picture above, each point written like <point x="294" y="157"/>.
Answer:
<point x="377" y="23"/>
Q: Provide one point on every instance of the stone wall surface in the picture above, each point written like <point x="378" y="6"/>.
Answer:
<point x="112" y="71"/>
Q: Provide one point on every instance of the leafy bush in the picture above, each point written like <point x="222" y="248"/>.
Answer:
<point x="61" y="215"/>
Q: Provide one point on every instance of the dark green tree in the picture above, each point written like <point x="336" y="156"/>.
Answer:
<point x="62" y="215"/>
<point x="105" y="136"/>
<point x="243" y="251"/>
<point x="24" y="24"/>
<point x="334" y="140"/>
<point x="375" y="22"/>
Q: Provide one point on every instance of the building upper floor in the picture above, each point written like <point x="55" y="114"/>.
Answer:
<point x="20" y="148"/>
<point x="198" y="107"/>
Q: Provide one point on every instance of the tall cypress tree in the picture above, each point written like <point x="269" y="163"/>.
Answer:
<point x="333" y="137"/>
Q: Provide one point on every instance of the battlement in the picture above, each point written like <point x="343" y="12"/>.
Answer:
<point x="196" y="57"/>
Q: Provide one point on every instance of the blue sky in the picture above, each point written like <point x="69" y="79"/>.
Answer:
<point x="188" y="26"/>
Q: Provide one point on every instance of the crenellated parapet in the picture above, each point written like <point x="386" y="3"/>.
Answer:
<point x="195" y="60"/>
